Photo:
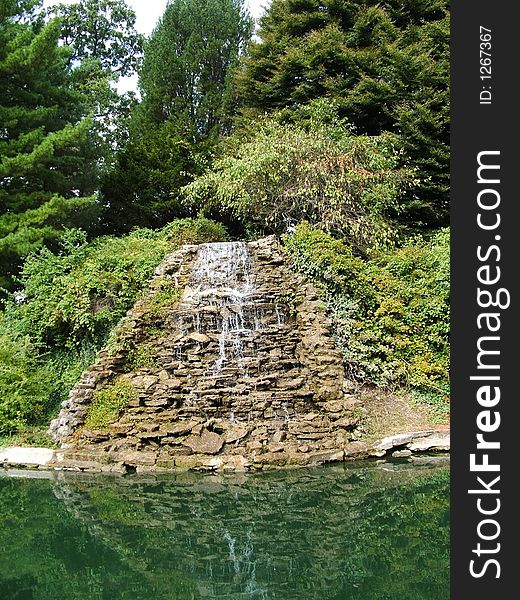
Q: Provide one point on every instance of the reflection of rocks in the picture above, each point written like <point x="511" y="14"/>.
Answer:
<point x="241" y="372"/>
<point x="296" y="534"/>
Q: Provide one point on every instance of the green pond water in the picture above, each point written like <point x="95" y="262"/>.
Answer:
<point x="377" y="531"/>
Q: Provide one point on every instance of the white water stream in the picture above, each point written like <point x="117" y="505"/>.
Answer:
<point x="221" y="294"/>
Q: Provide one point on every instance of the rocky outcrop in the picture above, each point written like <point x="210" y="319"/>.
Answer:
<point x="401" y="446"/>
<point x="231" y="365"/>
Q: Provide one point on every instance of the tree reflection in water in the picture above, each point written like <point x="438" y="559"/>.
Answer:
<point x="375" y="531"/>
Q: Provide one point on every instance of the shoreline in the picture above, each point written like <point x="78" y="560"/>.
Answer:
<point x="401" y="445"/>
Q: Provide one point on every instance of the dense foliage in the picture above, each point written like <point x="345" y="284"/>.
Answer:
<point x="101" y="30"/>
<point x="25" y="394"/>
<point x="67" y="304"/>
<point x="143" y="187"/>
<point x="58" y="112"/>
<point x="330" y="129"/>
<point x="48" y="147"/>
<point x="391" y="313"/>
<point x="184" y="83"/>
<point x="386" y="63"/>
<point x="185" y="74"/>
<point x="285" y="173"/>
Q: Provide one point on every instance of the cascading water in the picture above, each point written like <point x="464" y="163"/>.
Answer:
<point x="223" y="268"/>
<point x="242" y="362"/>
<point x="221" y="299"/>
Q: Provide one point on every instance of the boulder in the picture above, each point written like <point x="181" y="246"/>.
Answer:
<point x="179" y="428"/>
<point x="234" y="434"/>
<point x="207" y="442"/>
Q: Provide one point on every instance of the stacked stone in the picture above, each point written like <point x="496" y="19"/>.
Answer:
<point x="245" y="373"/>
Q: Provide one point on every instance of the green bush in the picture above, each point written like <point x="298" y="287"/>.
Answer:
<point x="66" y="306"/>
<point x="329" y="262"/>
<point x="283" y="173"/>
<point x="391" y="314"/>
<point x="108" y="403"/>
<point x="25" y="389"/>
<point x="80" y="293"/>
<point x="163" y="298"/>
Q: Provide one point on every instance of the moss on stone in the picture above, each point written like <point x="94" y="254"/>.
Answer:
<point x="108" y="403"/>
<point x="166" y="295"/>
<point x="141" y="357"/>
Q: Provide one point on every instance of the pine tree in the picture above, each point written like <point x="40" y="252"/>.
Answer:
<point x="48" y="148"/>
<point x="185" y="86"/>
<point x="142" y="188"/>
<point x="185" y="74"/>
<point x="386" y="65"/>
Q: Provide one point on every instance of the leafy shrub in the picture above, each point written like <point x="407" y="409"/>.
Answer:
<point x="141" y="357"/>
<point x="32" y="384"/>
<point x="391" y="314"/>
<point x="329" y="262"/>
<point x="66" y="306"/>
<point x="25" y="390"/>
<point x="385" y="64"/>
<point x="193" y="231"/>
<point x="284" y="173"/>
<point x="108" y="403"/>
<point x="80" y="293"/>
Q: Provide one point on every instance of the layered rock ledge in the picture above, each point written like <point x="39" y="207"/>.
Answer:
<point x="397" y="446"/>
<point x="228" y="363"/>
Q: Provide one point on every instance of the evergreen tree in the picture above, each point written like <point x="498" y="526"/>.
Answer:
<point x="386" y="63"/>
<point x="187" y="63"/>
<point x="142" y="188"/>
<point x="48" y="149"/>
<point x="185" y="85"/>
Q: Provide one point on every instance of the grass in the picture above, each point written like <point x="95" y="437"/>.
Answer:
<point x="109" y="403"/>
<point x="34" y="437"/>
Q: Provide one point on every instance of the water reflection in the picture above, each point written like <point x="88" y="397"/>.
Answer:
<point x="376" y="532"/>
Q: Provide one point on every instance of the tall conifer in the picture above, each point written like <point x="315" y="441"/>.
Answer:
<point x="384" y="62"/>
<point x="185" y="88"/>
<point x="48" y="148"/>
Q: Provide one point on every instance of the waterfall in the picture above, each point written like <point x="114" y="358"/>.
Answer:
<point x="247" y="343"/>
<point x="223" y="268"/>
<point x="220" y="298"/>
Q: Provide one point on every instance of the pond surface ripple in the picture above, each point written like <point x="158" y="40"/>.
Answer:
<point x="377" y="531"/>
